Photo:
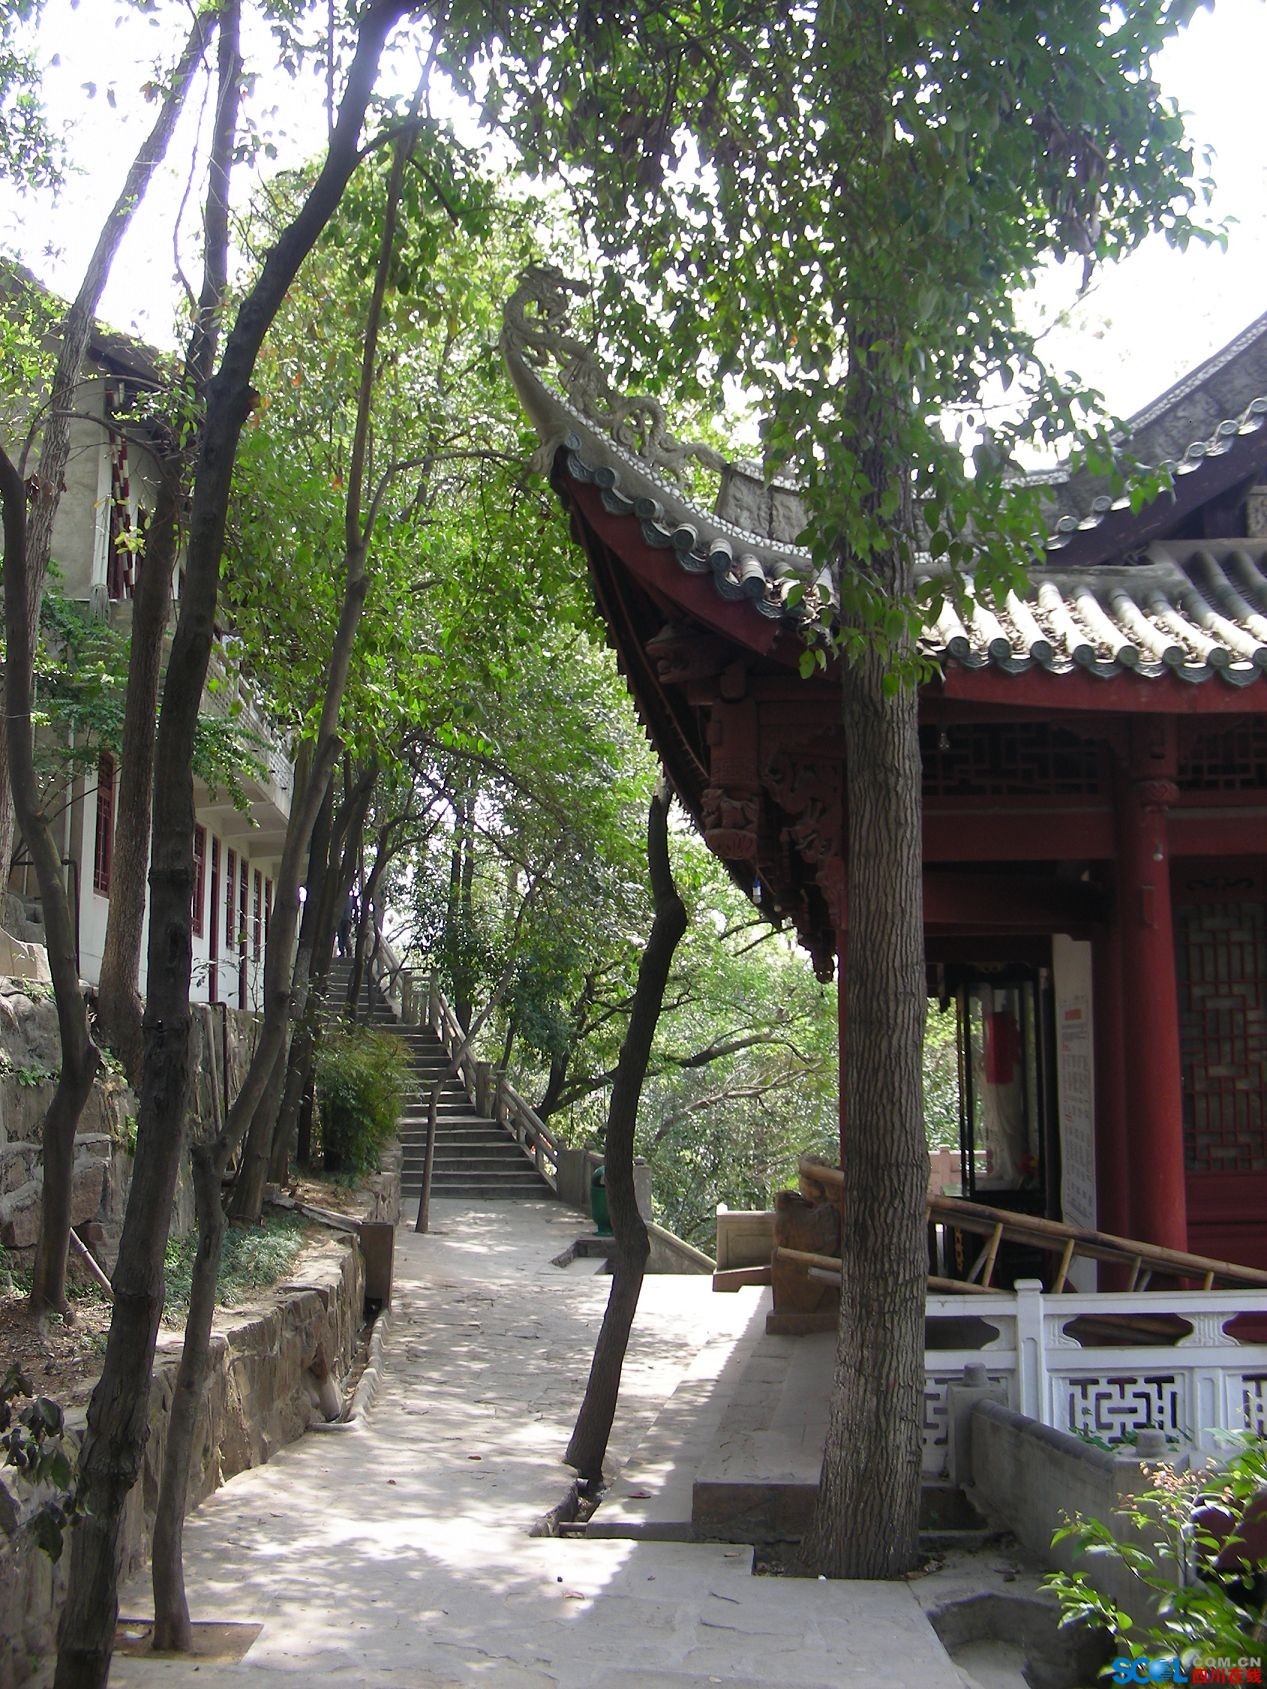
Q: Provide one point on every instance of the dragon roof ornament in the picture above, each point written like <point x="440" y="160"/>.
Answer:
<point x="536" y="330"/>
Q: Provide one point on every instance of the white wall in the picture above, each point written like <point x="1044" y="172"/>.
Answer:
<point x="219" y="984"/>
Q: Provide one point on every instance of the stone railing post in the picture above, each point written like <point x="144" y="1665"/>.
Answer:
<point x="408" y="1001"/>
<point x="483" y="1072"/>
<point x="433" y="1002"/>
<point x="499" y="1096"/>
<point x="960" y="1401"/>
<point x="1031" y="1356"/>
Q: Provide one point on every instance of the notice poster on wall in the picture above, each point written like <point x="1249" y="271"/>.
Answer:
<point x="1075" y="1089"/>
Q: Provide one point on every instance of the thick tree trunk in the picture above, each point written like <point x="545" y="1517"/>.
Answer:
<point x="76" y="331"/>
<point x="112" y="1449"/>
<point x="588" y="1446"/>
<point x="866" y="1521"/>
<point x="171" y="1610"/>
<point x="557" y="1079"/>
<point x="79" y="1057"/>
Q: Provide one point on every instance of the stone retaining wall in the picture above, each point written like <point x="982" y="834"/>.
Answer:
<point x="261" y="1396"/>
<point x="30" y="1055"/>
<point x="262" y="1388"/>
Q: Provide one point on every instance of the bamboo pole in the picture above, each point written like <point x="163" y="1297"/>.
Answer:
<point x="1054" y="1235"/>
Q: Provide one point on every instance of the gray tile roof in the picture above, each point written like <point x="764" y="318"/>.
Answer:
<point x="1194" y="610"/>
<point x="1191" y="609"/>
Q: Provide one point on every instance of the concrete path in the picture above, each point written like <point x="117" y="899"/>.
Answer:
<point x="397" y="1552"/>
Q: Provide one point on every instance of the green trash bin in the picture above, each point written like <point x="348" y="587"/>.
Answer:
<point x="598" y="1201"/>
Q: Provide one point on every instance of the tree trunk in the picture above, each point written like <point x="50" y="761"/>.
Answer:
<point x="327" y="889"/>
<point x="172" y="1628"/>
<point x="308" y="983"/>
<point x="78" y="1053"/>
<point x="118" y="999"/>
<point x="76" y="332"/>
<point x="28" y="546"/>
<point x="866" y="1521"/>
<point x="171" y="1610"/>
<point x="279" y="962"/>
<point x="587" y="1449"/>
<point x="111" y="1453"/>
<point x="367" y="931"/>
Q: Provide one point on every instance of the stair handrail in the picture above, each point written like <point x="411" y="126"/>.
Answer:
<point x="452" y="1035"/>
<point x="512" y="1113"/>
<point x="387" y="971"/>
<point x="528" y="1130"/>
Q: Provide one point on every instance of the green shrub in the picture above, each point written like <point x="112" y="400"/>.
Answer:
<point x="361" y="1078"/>
<point x="1207" y="1607"/>
<point x="253" y="1258"/>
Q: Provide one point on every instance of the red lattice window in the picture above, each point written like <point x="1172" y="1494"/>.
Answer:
<point x="1221" y="956"/>
<point x="200" y="880"/>
<point x="103" y="840"/>
<point x="1008" y="759"/>
<point x="1223" y="759"/>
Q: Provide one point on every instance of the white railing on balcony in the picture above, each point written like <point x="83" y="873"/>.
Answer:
<point x="233" y="694"/>
<point x="1119" y="1372"/>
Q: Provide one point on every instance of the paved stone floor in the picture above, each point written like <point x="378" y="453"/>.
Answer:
<point x="397" y="1552"/>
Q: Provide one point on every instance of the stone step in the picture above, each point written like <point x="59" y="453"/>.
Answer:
<point x="476" y="1167"/>
<point x="458" y="1143"/>
<point x="415" y="1125"/>
<point x="458" y="1133"/>
<point x="472" y="1164"/>
<point x="487" y="1189"/>
<point x="518" y="1175"/>
<point x="418" y="1106"/>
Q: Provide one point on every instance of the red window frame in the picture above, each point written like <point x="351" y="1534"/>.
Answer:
<point x="200" y="881"/>
<point x="243" y="893"/>
<point x="103" y="840"/>
<point x="213" y="936"/>
<point x="230" y="903"/>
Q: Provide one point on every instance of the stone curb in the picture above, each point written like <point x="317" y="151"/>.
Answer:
<point x="367" y="1385"/>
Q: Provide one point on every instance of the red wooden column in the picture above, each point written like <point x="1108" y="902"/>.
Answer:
<point x="1150" y="1011"/>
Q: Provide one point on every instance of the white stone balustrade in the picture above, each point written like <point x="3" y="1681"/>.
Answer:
<point x="1199" y="1387"/>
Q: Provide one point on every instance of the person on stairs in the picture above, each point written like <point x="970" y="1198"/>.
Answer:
<point x="347" y="922"/>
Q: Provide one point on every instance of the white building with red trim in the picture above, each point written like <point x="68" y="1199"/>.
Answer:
<point x="107" y="497"/>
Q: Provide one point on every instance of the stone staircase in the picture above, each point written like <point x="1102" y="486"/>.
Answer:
<point x="475" y="1157"/>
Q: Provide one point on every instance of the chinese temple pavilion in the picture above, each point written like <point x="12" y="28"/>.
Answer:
<point x="1094" y="779"/>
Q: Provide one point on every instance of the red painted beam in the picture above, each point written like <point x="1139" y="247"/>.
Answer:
<point x="1002" y="835"/>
